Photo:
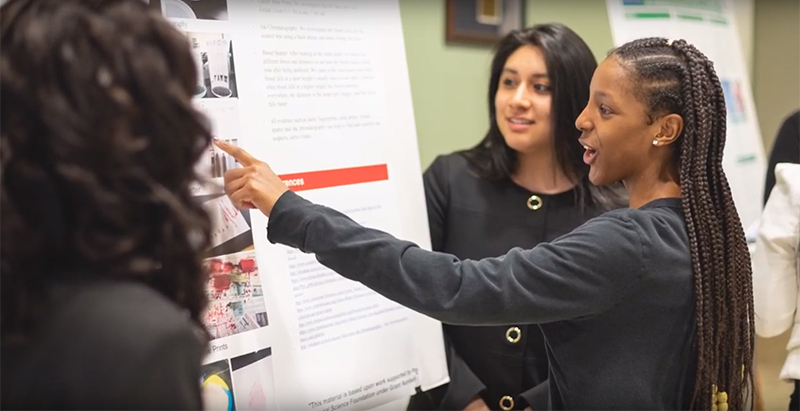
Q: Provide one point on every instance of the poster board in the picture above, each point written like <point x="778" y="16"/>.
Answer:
<point x="710" y="26"/>
<point x="319" y="90"/>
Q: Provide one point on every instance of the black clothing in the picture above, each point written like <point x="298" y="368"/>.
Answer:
<point x="105" y="345"/>
<point x="473" y="218"/>
<point x="614" y="298"/>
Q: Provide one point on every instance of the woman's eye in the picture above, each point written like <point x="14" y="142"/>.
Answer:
<point x="541" y="88"/>
<point x="605" y="110"/>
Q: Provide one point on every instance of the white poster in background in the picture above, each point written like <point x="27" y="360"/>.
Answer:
<point x="709" y="25"/>
<point x="319" y="89"/>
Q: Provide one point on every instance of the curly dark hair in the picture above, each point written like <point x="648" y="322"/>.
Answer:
<point x="677" y="78"/>
<point x="99" y="143"/>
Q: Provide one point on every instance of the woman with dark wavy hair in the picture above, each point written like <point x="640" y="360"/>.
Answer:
<point x="102" y="283"/>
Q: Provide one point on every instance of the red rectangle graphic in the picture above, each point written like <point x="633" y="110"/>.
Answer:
<point x="313" y="180"/>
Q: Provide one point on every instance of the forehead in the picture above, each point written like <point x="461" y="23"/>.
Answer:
<point x="611" y="78"/>
<point x="528" y="60"/>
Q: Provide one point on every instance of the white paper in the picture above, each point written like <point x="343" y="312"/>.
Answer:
<point x="347" y="344"/>
<point x="254" y="382"/>
<point x="318" y="89"/>
<point x="227" y="221"/>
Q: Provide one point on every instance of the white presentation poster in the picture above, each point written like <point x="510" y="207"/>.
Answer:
<point x="709" y="25"/>
<point x="319" y="90"/>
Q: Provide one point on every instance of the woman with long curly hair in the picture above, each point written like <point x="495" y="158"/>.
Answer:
<point x="647" y="308"/>
<point x="102" y="282"/>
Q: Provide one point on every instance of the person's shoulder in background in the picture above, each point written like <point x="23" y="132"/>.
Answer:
<point x="776" y="257"/>
<point x="785" y="149"/>
<point x="106" y="344"/>
<point x="452" y="165"/>
<point x="449" y="174"/>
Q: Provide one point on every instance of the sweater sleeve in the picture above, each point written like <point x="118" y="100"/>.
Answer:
<point x="580" y="274"/>
<point x="775" y="261"/>
<point x="537" y="397"/>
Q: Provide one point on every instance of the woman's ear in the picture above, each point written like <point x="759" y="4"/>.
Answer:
<point x="670" y="130"/>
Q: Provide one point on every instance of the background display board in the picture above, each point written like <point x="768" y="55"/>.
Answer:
<point x="319" y="90"/>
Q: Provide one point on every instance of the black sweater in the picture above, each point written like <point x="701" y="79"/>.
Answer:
<point x="614" y="298"/>
<point x="472" y="218"/>
<point x="105" y="345"/>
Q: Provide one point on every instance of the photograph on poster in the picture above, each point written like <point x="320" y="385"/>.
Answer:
<point x="216" y="386"/>
<point x="230" y="226"/>
<point x="210" y="171"/>
<point x="734" y="101"/>
<point x="216" y="72"/>
<point x="236" y="298"/>
<point x="195" y="9"/>
<point x="253" y="380"/>
<point x="222" y="161"/>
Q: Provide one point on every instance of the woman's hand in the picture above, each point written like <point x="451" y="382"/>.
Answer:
<point x="254" y="185"/>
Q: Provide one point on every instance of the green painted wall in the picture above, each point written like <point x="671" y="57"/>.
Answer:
<point x="449" y="82"/>
<point x="776" y="72"/>
<point x="588" y="18"/>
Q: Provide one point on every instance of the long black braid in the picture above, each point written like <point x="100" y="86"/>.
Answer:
<point x="677" y="78"/>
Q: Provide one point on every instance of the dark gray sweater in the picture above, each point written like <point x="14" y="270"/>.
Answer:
<point x="614" y="298"/>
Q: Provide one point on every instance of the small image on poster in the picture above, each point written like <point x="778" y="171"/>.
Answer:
<point x="236" y="298"/>
<point x="211" y="169"/>
<point x="195" y="9"/>
<point x="221" y="161"/>
<point x="216" y="72"/>
<point x="253" y="379"/>
<point x="216" y="387"/>
<point x="734" y="102"/>
<point x="230" y="227"/>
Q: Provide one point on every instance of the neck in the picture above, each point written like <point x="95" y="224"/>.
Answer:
<point x="541" y="173"/>
<point x="653" y="186"/>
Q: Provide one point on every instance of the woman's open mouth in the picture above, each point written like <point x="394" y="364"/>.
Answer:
<point x="589" y="155"/>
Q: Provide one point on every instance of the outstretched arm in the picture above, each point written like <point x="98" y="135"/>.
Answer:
<point x="580" y="274"/>
<point x="572" y="277"/>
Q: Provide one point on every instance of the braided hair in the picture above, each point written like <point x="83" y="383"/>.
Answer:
<point x="675" y="77"/>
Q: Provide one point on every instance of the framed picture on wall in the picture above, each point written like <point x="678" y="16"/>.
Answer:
<point x="482" y="21"/>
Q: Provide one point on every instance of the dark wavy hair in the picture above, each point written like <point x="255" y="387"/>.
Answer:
<point x="677" y="78"/>
<point x="99" y="141"/>
<point x="570" y="66"/>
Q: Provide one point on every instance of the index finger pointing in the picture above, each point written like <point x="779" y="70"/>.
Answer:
<point x="243" y="157"/>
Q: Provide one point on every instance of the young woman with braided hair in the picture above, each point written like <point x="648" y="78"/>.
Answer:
<point x="677" y="78"/>
<point x="648" y="307"/>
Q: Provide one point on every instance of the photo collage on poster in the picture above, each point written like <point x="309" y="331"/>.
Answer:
<point x="237" y="304"/>
<point x="244" y="382"/>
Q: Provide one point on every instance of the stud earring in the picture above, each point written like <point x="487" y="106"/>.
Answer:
<point x="655" y="142"/>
